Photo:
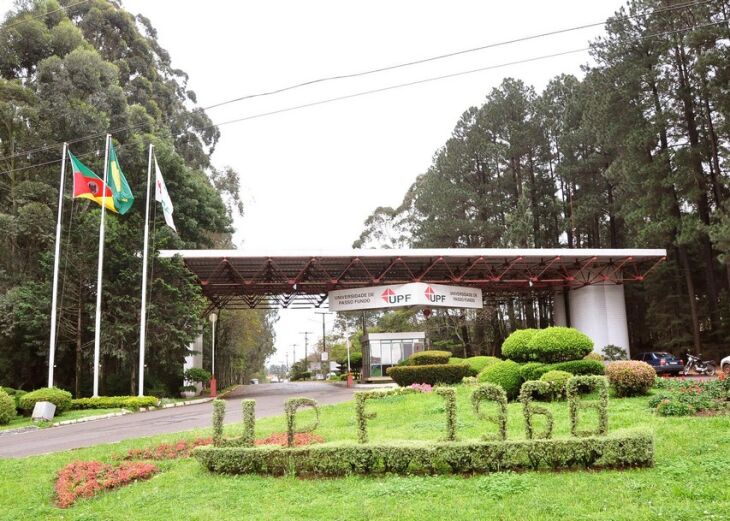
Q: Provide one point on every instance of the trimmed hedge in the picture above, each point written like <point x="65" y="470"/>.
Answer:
<point x="630" y="377"/>
<point x="480" y="363"/>
<point x="7" y="408"/>
<point x="557" y="344"/>
<point x="630" y="449"/>
<point x="527" y="371"/>
<point x="574" y="367"/>
<point x="556" y="380"/>
<point x="455" y="360"/>
<point x="431" y="357"/>
<point x="405" y="375"/>
<point x="15" y="394"/>
<point x="515" y="347"/>
<point x="506" y="374"/>
<point x="58" y="397"/>
<point x="113" y="402"/>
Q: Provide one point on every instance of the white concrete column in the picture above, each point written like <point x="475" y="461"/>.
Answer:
<point x="194" y="359"/>
<point x="560" y="317"/>
<point x="599" y="311"/>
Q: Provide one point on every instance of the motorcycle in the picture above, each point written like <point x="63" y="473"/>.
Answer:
<point x="703" y="367"/>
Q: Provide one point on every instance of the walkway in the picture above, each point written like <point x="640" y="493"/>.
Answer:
<point x="269" y="398"/>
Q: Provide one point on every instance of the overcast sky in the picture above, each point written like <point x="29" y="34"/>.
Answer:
<point x="310" y="177"/>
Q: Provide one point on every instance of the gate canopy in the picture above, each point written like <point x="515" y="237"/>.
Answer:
<point x="301" y="279"/>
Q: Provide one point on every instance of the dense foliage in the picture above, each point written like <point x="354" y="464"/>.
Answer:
<point x="7" y="408"/>
<point x="630" y="377"/>
<point x="574" y="367"/>
<point x="633" y="154"/>
<point x="635" y="449"/>
<point x="66" y="74"/>
<point x="556" y="381"/>
<point x="111" y="402"/>
<point x="58" y="397"/>
<point x="430" y="357"/>
<point x="558" y="344"/>
<point x="515" y="345"/>
<point x="505" y="374"/>
<point x="429" y="374"/>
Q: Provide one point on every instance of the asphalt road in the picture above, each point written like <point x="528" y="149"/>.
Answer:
<point x="269" y="398"/>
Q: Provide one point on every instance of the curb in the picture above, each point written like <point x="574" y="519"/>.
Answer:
<point x="91" y="418"/>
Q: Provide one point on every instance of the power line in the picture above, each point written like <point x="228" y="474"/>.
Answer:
<point x="383" y="89"/>
<point x="371" y="71"/>
<point x="27" y="18"/>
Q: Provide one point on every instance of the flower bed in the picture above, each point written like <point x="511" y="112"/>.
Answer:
<point x="165" y="451"/>
<point x="86" y="478"/>
<point x="684" y="397"/>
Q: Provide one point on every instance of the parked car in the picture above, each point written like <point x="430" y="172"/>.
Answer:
<point x="725" y="365"/>
<point x="663" y="363"/>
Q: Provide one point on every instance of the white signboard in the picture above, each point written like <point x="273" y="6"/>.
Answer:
<point x="334" y="366"/>
<point x="404" y="295"/>
<point x="325" y="356"/>
<point x="314" y="366"/>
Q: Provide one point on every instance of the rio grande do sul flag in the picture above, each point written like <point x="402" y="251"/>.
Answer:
<point x="163" y="197"/>
<point x="87" y="185"/>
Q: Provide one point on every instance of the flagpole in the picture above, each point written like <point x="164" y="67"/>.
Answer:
<point x="143" y="313"/>
<point x="56" y="262"/>
<point x="97" y="322"/>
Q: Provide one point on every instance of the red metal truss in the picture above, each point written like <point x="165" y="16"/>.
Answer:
<point x="237" y="280"/>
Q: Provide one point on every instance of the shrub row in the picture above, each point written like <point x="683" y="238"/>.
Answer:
<point x="58" y="397"/>
<point x="549" y="345"/>
<point x="534" y="371"/>
<point x="405" y="375"/>
<point x="7" y="408"/>
<point x="431" y="357"/>
<point x="633" y="449"/>
<point x="113" y="402"/>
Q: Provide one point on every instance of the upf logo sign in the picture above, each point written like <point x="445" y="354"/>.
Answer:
<point x="434" y="297"/>
<point x="391" y="297"/>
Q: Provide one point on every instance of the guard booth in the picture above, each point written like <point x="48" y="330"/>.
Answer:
<point x="381" y="351"/>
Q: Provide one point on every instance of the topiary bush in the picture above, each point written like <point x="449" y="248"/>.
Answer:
<point x="58" y="397"/>
<point x="455" y="360"/>
<point x="480" y="363"/>
<point x="506" y="374"/>
<point x="574" y="367"/>
<point x="556" y="380"/>
<point x="428" y="374"/>
<point x="431" y="357"/>
<point x="594" y="356"/>
<point x="558" y="344"/>
<point x="630" y="377"/>
<point x="515" y="347"/>
<point x="527" y="371"/>
<point x="7" y="408"/>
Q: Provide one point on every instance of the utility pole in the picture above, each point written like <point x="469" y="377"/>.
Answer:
<point x="324" y="337"/>
<point x="293" y="360"/>
<point x="306" y="345"/>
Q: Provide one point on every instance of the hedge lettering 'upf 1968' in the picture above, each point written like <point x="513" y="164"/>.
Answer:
<point x="584" y="449"/>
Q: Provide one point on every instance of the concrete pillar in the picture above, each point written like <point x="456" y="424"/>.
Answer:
<point x="599" y="311"/>
<point x="195" y="359"/>
<point x="560" y="317"/>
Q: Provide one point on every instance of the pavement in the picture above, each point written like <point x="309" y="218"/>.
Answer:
<point x="269" y="398"/>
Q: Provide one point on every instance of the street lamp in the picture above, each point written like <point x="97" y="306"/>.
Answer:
<point x="213" y="384"/>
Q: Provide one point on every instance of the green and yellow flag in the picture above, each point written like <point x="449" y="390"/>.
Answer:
<point x="121" y="193"/>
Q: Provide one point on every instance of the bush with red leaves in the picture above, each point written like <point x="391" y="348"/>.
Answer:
<point x="164" y="451"/>
<point x="86" y="478"/>
<point x="300" y="438"/>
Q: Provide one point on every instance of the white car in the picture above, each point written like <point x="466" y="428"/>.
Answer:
<point x="725" y="365"/>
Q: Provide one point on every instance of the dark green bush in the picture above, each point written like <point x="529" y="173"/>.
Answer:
<point x="557" y="344"/>
<point x="556" y="380"/>
<point x="431" y="357"/>
<point x="506" y="374"/>
<point x="515" y="347"/>
<point x="197" y="374"/>
<point x="112" y="402"/>
<point x="631" y="449"/>
<point x="574" y="367"/>
<point x="527" y="371"/>
<point x="480" y="363"/>
<point x="428" y="374"/>
<point x="15" y="394"/>
<point x="7" y="408"/>
<point x="455" y="360"/>
<point x="58" y="397"/>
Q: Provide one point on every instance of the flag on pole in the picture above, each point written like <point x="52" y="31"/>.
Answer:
<point x="163" y="197"/>
<point x="87" y="185"/>
<point x="121" y="193"/>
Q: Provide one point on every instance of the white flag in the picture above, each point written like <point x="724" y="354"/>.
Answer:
<point x="163" y="197"/>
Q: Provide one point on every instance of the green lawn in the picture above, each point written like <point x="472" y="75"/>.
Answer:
<point x="690" y="481"/>
<point x="25" y="421"/>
